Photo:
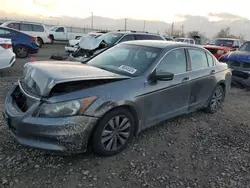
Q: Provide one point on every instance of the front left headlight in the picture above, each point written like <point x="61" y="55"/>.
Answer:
<point x="65" y="109"/>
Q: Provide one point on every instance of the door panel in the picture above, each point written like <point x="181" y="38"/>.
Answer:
<point x="203" y="80"/>
<point x="60" y="34"/>
<point x="166" y="99"/>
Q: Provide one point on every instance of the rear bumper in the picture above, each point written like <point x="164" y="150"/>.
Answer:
<point x="8" y="61"/>
<point x="66" y="134"/>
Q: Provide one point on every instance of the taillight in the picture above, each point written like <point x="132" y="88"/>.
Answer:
<point x="6" y="46"/>
<point x="33" y="39"/>
<point x="49" y="36"/>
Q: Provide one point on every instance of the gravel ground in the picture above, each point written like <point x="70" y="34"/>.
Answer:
<point x="195" y="150"/>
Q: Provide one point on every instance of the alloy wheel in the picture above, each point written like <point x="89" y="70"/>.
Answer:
<point x="217" y="98"/>
<point x="21" y="52"/>
<point x="116" y="133"/>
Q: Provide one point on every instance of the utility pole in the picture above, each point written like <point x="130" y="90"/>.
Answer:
<point x="144" y="24"/>
<point x="182" y="30"/>
<point x="172" y="29"/>
<point x="92" y="21"/>
<point x="125" y="24"/>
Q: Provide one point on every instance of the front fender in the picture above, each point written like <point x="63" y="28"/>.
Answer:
<point x="109" y="105"/>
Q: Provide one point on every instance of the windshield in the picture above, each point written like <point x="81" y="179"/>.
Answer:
<point x="111" y="38"/>
<point x="228" y="43"/>
<point x="125" y="59"/>
<point x="245" y="47"/>
<point x="52" y="28"/>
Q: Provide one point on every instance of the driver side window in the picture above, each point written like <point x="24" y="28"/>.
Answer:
<point x="60" y="29"/>
<point x="174" y="62"/>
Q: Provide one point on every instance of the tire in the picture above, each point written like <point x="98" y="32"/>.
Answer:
<point x="105" y="134"/>
<point x="21" y="51"/>
<point x="40" y="42"/>
<point x="51" y="39"/>
<point x="215" y="100"/>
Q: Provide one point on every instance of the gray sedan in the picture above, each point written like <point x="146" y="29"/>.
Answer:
<point x="104" y="102"/>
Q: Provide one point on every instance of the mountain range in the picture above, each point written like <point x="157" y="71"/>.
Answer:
<point x="238" y="25"/>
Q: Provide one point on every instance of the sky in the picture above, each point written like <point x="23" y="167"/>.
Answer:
<point x="137" y="9"/>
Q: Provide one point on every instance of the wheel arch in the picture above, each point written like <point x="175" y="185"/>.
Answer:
<point x="114" y="106"/>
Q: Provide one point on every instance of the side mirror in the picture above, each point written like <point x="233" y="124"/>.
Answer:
<point x="162" y="76"/>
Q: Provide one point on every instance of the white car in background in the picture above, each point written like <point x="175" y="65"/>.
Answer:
<point x="7" y="56"/>
<point x="74" y="43"/>
<point x="31" y="28"/>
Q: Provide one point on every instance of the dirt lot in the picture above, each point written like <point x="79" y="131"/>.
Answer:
<point x="196" y="150"/>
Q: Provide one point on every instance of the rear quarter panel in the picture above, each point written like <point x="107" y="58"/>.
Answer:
<point x="224" y="75"/>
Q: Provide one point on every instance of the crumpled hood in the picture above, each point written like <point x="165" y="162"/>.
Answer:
<point x="241" y="56"/>
<point x="40" y="77"/>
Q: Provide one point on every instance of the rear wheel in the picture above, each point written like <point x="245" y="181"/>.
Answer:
<point x="21" y="51"/>
<point x="113" y="132"/>
<point x="215" y="100"/>
<point x="40" y="42"/>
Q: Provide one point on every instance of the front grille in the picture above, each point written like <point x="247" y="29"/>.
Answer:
<point x="238" y="64"/>
<point x="213" y="51"/>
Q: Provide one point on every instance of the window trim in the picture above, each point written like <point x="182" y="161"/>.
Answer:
<point x="157" y="64"/>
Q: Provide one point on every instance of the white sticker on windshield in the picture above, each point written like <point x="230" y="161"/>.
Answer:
<point x="128" y="69"/>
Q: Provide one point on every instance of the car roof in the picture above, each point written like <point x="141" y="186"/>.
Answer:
<point x="160" y="43"/>
<point x="133" y="32"/>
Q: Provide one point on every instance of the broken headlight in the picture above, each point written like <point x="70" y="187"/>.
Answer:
<point x="65" y="109"/>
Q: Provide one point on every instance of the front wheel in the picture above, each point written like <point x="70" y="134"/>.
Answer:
<point x="216" y="99"/>
<point x="113" y="132"/>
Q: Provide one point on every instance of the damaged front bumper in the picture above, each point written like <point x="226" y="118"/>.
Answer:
<point x="66" y="134"/>
<point x="241" y="77"/>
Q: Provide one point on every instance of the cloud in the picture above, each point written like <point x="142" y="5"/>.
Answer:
<point x="225" y="16"/>
<point x="47" y="4"/>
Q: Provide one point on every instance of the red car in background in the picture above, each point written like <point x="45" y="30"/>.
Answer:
<point x="222" y="46"/>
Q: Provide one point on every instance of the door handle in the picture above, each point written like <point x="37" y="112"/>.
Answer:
<point x="212" y="71"/>
<point x="185" y="79"/>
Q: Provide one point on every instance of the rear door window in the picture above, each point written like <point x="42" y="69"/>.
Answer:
<point x="25" y="27"/>
<point x="38" y="28"/>
<point x="198" y="59"/>
<point x="127" y="38"/>
<point x="142" y="37"/>
<point x="155" y="37"/>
